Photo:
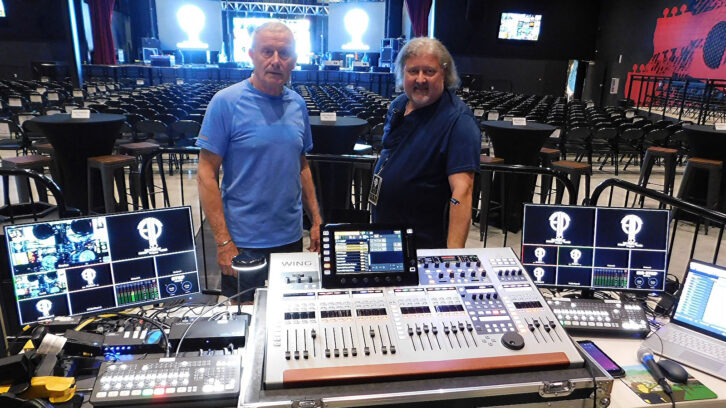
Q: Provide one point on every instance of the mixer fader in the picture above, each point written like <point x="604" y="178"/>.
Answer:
<point x="474" y="311"/>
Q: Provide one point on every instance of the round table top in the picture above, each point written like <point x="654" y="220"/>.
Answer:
<point x="506" y="124"/>
<point x="703" y="128"/>
<point x="65" y="118"/>
<point x="342" y="121"/>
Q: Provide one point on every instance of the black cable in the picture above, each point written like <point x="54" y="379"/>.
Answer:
<point x="184" y="335"/>
<point x="155" y="324"/>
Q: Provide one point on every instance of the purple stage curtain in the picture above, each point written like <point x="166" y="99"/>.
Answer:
<point x="418" y="11"/>
<point x="104" y="51"/>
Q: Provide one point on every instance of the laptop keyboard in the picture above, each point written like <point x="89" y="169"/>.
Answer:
<point x="697" y="344"/>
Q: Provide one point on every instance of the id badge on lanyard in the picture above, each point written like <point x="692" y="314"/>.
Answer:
<point x="376" y="184"/>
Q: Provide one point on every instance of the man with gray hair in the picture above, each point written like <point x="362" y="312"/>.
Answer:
<point x="258" y="132"/>
<point x="431" y="147"/>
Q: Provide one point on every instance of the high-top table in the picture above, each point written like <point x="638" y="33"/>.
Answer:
<point x="517" y="145"/>
<point x="708" y="143"/>
<point x="74" y="141"/>
<point x="334" y="179"/>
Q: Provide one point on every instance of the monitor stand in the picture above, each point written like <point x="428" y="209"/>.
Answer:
<point x="587" y="293"/>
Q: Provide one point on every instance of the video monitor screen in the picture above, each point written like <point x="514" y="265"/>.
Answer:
<point x="94" y="264"/>
<point x="2" y="9"/>
<point x="356" y="26"/>
<point x="368" y="255"/>
<point x="596" y="248"/>
<point x="519" y="26"/>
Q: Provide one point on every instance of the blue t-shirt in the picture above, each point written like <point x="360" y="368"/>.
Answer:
<point x="260" y="138"/>
<point x="420" y="151"/>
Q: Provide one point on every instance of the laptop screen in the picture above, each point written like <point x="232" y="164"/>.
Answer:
<point x="702" y="304"/>
<point x="99" y="263"/>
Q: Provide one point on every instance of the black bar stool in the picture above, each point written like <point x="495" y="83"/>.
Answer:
<point x="112" y="168"/>
<point x="574" y="170"/>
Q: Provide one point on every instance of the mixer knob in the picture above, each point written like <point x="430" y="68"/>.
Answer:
<point x="287" y="355"/>
<point x="393" y="349"/>
<point x="384" y="350"/>
<point x="462" y="274"/>
<point x="447" y="264"/>
<point x="473" y="274"/>
<point x="454" y="329"/>
<point x="410" y="331"/>
<point x="500" y="272"/>
<point x="513" y="341"/>
<point x="365" y="280"/>
<point x="458" y="264"/>
<point x="519" y="272"/>
<point x="327" y="353"/>
<point x="345" y="352"/>
<point x="481" y="296"/>
<point x="297" y="355"/>
<point x="451" y="275"/>
<point x="536" y="323"/>
<point x="418" y="330"/>
<point x="426" y="265"/>
<point x="287" y="280"/>
<point x="388" y="279"/>
<point x="446" y="329"/>
<point x="435" y="330"/>
<point x="436" y="265"/>
<point x="506" y="272"/>
<point x="478" y="263"/>
<point x="299" y="279"/>
<point x="495" y="295"/>
<point x="483" y="274"/>
<point x="305" y="354"/>
<point x="547" y="328"/>
<point x="468" y="264"/>
<point x="461" y="326"/>
<point x="426" y="328"/>
<point x="372" y="333"/>
<point x="377" y="279"/>
<point x="336" y="352"/>
<point x="441" y="275"/>
<point x="354" y="351"/>
<point x="469" y="327"/>
<point x="530" y="327"/>
<point x="310" y="279"/>
<point x="489" y="295"/>
<point x="367" y="350"/>
<point x="313" y="333"/>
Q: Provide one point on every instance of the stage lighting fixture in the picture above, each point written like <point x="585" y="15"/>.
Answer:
<point x="191" y="19"/>
<point x="356" y="23"/>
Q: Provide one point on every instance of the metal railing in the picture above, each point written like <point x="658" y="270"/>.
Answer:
<point x="677" y="206"/>
<point x="697" y="99"/>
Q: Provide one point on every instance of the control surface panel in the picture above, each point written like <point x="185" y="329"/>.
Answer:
<point x="475" y="311"/>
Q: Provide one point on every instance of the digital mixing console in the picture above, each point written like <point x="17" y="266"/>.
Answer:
<point x="474" y="311"/>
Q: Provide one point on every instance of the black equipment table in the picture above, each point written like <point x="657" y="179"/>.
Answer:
<point x="517" y="145"/>
<point x="74" y="141"/>
<point x="337" y="137"/>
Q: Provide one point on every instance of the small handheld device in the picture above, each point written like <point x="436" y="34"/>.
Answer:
<point x="603" y="359"/>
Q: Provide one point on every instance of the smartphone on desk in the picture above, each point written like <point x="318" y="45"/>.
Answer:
<point x="603" y="359"/>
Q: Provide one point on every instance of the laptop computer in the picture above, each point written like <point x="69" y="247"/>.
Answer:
<point x="696" y="335"/>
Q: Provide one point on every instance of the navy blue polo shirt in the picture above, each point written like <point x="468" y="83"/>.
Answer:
<point x="420" y="151"/>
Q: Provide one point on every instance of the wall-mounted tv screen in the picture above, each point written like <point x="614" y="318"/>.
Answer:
<point x="520" y="26"/>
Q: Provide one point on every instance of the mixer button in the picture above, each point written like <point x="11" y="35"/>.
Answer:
<point x="418" y="330"/>
<point x="393" y="349"/>
<point x="530" y="327"/>
<point x="345" y="352"/>
<point x="313" y="333"/>
<point x="310" y="279"/>
<point x="435" y="330"/>
<point x="297" y="355"/>
<point x="426" y="328"/>
<point x="305" y="354"/>
<point x="384" y="350"/>
<point x="366" y="350"/>
<point x="354" y="351"/>
<point x="327" y="353"/>
<point x="410" y="331"/>
<point x="287" y="355"/>
<point x="446" y="329"/>
<point x="372" y="333"/>
<point x="469" y="327"/>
